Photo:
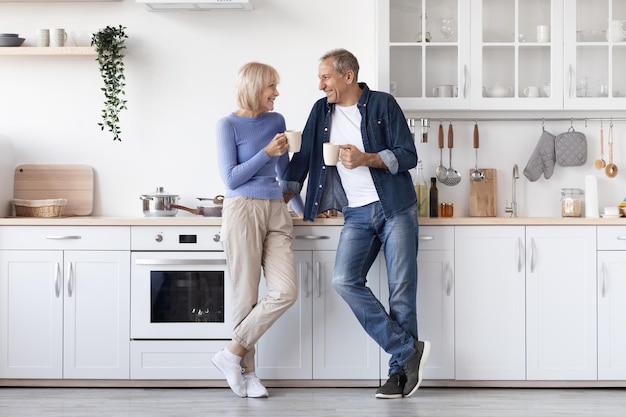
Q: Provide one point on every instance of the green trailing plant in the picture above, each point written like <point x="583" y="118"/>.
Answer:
<point x="109" y="44"/>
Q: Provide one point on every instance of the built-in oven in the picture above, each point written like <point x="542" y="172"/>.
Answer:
<point x="180" y="301"/>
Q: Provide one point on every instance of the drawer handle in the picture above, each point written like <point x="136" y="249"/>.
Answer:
<point x="621" y="238"/>
<point x="312" y="237"/>
<point x="67" y="237"/>
<point x="180" y="261"/>
<point x="427" y="237"/>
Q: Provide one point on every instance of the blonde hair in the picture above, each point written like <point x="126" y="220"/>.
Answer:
<point x="251" y="80"/>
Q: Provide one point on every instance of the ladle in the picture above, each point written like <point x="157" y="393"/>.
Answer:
<point x="476" y="175"/>
<point x="442" y="171"/>
<point x="454" y="177"/>
<point x="611" y="169"/>
<point x="601" y="163"/>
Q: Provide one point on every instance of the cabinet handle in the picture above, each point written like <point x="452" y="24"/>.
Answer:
<point x="70" y="278"/>
<point x="66" y="237"/>
<point x="449" y="279"/>
<point x="604" y="273"/>
<point x="318" y="279"/>
<point x="520" y="255"/>
<point x="57" y="274"/>
<point x="621" y="238"/>
<point x="571" y="82"/>
<point x="180" y="261"/>
<point x="311" y="237"/>
<point x="465" y="78"/>
<point x="305" y="277"/>
<point x="533" y="250"/>
<point x="426" y="237"/>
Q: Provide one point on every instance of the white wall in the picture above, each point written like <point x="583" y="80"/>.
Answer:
<point x="180" y="69"/>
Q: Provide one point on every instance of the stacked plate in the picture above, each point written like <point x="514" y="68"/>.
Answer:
<point x="10" y="39"/>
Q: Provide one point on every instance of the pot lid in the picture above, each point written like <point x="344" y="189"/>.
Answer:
<point x="160" y="192"/>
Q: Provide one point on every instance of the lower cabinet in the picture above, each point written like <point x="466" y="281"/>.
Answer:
<point x="318" y="337"/>
<point x="64" y="313"/>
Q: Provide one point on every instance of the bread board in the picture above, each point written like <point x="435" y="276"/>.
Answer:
<point x="72" y="182"/>
<point x="483" y="195"/>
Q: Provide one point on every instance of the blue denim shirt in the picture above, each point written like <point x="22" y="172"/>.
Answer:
<point x="384" y="130"/>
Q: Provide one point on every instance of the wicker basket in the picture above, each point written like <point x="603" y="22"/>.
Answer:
<point x="40" y="208"/>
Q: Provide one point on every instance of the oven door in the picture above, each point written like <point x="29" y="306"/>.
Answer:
<point x="180" y="296"/>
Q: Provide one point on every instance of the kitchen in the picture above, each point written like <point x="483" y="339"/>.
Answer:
<point x="180" y="72"/>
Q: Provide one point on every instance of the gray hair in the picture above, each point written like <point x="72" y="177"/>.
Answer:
<point x="343" y="61"/>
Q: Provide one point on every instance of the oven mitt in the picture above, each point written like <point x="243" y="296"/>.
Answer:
<point x="571" y="148"/>
<point x="542" y="159"/>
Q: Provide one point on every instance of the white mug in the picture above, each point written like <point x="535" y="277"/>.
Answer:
<point x="442" y="91"/>
<point x="43" y="37"/>
<point x="331" y="153"/>
<point x="543" y="33"/>
<point x="294" y="140"/>
<point x="58" y="37"/>
<point x="532" y="91"/>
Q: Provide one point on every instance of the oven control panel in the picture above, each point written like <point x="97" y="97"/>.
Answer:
<point x="175" y="238"/>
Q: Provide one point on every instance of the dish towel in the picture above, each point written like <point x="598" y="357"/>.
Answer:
<point x="542" y="159"/>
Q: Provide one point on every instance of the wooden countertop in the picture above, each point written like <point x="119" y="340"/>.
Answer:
<point x="338" y="221"/>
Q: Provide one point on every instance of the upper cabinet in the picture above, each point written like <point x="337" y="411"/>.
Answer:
<point x="595" y="54"/>
<point x="503" y="54"/>
<point x="425" y="52"/>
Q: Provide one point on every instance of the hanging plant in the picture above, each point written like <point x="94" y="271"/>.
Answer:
<point x="109" y="44"/>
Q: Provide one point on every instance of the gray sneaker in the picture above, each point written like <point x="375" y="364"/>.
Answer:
<point x="414" y="368"/>
<point x="392" y="388"/>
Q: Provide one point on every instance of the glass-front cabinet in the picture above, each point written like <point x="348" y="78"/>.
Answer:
<point x="516" y="54"/>
<point x="425" y="53"/>
<point x="595" y="54"/>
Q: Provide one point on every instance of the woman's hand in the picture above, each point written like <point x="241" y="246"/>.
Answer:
<point x="277" y="146"/>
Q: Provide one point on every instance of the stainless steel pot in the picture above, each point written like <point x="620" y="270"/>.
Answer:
<point x="159" y="204"/>
<point x="212" y="209"/>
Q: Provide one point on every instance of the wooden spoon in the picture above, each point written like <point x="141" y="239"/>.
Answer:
<point x="601" y="163"/>
<point x="611" y="168"/>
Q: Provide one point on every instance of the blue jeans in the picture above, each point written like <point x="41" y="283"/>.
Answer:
<point x="365" y="231"/>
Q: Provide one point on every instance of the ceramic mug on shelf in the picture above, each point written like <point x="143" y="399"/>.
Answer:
<point x="443" y="90"/>
<point x="58" y="37"/>
<point x="43" y="37"/>
<point x="543" y="33"/>
<point x="532" y="91"/>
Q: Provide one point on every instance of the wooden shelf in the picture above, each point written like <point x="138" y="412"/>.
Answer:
<point x="40" y="51"/>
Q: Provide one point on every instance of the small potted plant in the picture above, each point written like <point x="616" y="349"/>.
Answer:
<point x="109" y="44"/>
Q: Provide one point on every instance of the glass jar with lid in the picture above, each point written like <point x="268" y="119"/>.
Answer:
<point x="572" y="202"/>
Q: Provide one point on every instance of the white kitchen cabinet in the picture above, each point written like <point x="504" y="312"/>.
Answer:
<point x="435" y="300"/>
<point x="64" y="313"/>
<point x="419" y="51"/>
<point x="561" y="303"/>
<point x="611" y="293"/>
<point x="489" y="303"/>
<point x="595" y="55"/>
<point x="318" y="337"/>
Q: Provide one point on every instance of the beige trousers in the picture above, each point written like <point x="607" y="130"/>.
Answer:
<point x="256" y="236"/>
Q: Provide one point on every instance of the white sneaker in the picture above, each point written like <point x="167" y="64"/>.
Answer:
<point x="254" y="387"/>
<point x="232" y="371"/>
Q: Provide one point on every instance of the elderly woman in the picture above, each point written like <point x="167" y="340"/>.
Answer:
<point x="256" y="224"/>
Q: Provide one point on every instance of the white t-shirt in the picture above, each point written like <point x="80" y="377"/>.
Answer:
<point x="346" y="129"/>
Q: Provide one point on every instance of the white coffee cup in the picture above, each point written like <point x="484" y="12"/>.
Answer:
<point x="43" y="37"/>
<point x="294" y="140"/>
<point x="442" y="91"/>
<point x="58" y="37"/>
<point x="611" y="211"/>
<point x="331" y="153"/>
<point x="532" y="91"/>
<point x="543" y="33"/>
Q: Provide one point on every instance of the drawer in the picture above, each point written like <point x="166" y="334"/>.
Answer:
<point x="316" y="237"/>
<point x="65" y="237"/>
<point x="611" y="237"/>
<point x="436" y="238"/>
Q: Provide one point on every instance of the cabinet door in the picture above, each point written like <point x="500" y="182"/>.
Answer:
<point x="31" y="314"/>
<point x="489" y="307"/>
<point x="595" y="54"/>
<point x="286" y="350"/>
<point x="341" y="348"/>
<point x="611" y="315"/>
<point x="424" y="53"/>
<point x="561" y="302"/>
<point x="97" y="314"/>
<point x="513" y="66"/>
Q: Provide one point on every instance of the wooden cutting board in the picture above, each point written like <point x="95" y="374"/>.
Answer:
<point x="72" y="182"/>
<point x="483" y="194"/>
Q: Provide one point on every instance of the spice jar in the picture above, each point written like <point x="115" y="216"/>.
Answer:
<point x="447" y="209"/>
<point x="572" y="202"/>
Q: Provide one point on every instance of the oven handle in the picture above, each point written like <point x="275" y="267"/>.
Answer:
<point x="180" y="261"/>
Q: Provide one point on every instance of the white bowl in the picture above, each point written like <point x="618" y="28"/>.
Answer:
<point x="546" y="90"/>
<point x="80" y="37"/>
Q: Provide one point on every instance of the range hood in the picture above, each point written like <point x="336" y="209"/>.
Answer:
<point x="197" y="5"/>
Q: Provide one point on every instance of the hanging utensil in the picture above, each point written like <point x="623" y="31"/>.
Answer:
<point x="611" y="169"/>
<point x="442" y="171"/>
<point x="476" y="175"/>
<point x="454" y="177"/>
<point x="601" y="163"/>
